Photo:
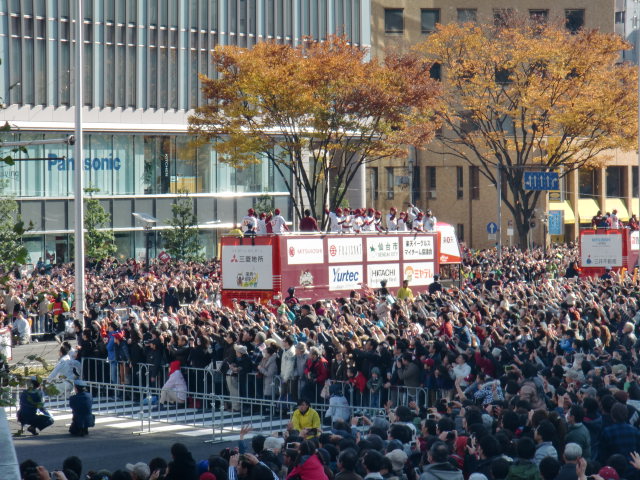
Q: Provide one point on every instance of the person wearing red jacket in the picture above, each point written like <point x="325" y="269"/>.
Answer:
<point x="317" y="372"/>
<point x="308" y="465"/>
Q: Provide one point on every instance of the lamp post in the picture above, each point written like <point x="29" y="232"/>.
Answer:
<point x="147" y="224"/>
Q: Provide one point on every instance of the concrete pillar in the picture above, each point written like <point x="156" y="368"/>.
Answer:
<point x="571" y="194"/>
<point x="627" y="189"/>
<point x="601" y="180"/>
<point x="357" y="192"/>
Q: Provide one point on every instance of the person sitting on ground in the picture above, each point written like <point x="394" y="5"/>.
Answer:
<point x="305" y="420"/>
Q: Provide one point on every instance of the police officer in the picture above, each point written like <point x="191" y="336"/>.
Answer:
<point x="81" y="407"/>
<point x="31" y="402"/>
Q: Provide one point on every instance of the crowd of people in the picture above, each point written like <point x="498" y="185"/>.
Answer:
<point x="344" y="220"/>
<point x="523" y="371"/>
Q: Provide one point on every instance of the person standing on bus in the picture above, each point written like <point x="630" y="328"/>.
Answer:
<point x="368" y="221"/>
<point x="377" y="222"/>
<point x="250" y="223"/>
<point x="308" y="223"/>
<point x="262" y="224"/>
<point x="430" y="222"/>
<point x="402" y="222"/>
<point x="335" y="221"/>
<point x="392" y="220"/>
<point x="278" y="222"/>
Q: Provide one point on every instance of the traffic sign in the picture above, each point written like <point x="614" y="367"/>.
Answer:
<point x="492" y="227"/>
<point x="510" y="232"/>
<point x="541" y="181"/>
<point x="555" y="222"/>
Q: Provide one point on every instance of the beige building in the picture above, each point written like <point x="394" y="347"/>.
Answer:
<point x="455" y="190"/>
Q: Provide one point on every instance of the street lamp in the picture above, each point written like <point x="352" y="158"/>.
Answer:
<point x="147" y="223"/>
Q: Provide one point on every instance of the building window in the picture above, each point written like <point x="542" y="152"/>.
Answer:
<point x="539" y="16"/>
<point x="586" y="183"/>
<point x="394" y="20"/>
<point x="634" y="181"/>
<point x="620" y="17"/>
<point x="373" y="183"/>
<point x="474" y="182"/>
<point x="429" y="17"/>
<point x="467" y="122"/>
<point x="459" y="183"/>
<point x="435" y="71"/>
<point x="467" y="15"/>
<point x="502" y="17"/>
<point x="431" y="182"/>
<point x="460" y="232"/>
<point x="415" y="185"/>
<point x="615" y="181"/>
<point x="574" y="19"/>
<point x="390" y="183"/>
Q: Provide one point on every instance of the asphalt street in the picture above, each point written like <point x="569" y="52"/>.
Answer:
<point x="104" y="447"/>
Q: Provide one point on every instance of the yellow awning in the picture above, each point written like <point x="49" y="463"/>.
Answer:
<point x="568" y="215"/>
<point x="612" y="204"/>
<point x="587" y="209"/>
<point x="634" y="206"/>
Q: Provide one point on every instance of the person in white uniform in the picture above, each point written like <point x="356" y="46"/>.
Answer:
<point x="278" y="223"/>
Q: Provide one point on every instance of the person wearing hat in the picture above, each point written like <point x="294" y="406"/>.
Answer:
<point x="239" y="368"/>
<point x="32" y="402"/>
<point x="138" y="471"/>
<point x="308" y="223"/>
<point x="430" y="222"/>
<point x="398" y="459"/>
<point x="250" y="223"/>
<point x="338" y="405"/>
<point x="81" y="408"/>
<point x="278" y="223"/>
<point x="175" y="388"/>
<point x="392" y="220"/>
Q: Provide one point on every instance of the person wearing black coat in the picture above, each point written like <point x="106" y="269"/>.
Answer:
<point x="183" y="466"/>
<point x="81" y="407"/>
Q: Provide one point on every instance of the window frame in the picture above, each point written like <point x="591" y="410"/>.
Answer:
<point x="389" y="31"/>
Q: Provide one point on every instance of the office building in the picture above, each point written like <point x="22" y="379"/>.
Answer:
<point x="142" y="60"/>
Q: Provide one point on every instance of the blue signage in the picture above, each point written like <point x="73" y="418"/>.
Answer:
<point x="541" y="181"/>
<point x="555" y="222"/>
<point x="492" y="227"/>
<point x="64" y="164"/>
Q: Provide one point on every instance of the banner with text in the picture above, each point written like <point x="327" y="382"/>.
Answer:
<point x="383" y="271"/>
<point x="601" y="250"/>
<point x="418" y="273"/>
<point x="247" y="267"/>
<point x="345" y="277"/>
<point x="305" y="251"/>
<point x="344" y="250"/>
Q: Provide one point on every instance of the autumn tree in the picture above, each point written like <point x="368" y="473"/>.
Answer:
<point x="317" y="112"/>
<point x="99" y="239"/>
<point x="182" y="240"/>
<point x="527" y="94"/>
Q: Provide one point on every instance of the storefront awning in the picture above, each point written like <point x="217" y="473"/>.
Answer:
<point x="567" y="215"/>
<point x="587" y="209"/>
<point x="612" y="204"/>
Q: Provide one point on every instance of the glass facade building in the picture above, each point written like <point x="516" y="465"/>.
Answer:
<point x="142" y="59"/>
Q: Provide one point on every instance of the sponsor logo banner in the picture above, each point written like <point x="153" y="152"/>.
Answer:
<point x="344" y="250"/>
<point x="635" y="241"/>
<point x="418" y="247"/>
<point x="601" y="250"/>
<point x="345" y="277"/>
<point x="247" y="267"/>
<point x="383" y="248"/>
<point x="383" y="271"/>
<point x="418" y="273"/>
<point x="305" y="251"/>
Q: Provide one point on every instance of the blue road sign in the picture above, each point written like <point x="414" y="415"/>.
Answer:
<point x="492" y="228"/>
<point x="555" y="222"/>
<point x="541" y="181"/>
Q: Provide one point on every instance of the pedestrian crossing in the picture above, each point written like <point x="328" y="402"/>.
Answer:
<point x="129" y="416"/>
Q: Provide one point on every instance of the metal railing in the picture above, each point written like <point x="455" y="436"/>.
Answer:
<point x="222" y="403"/>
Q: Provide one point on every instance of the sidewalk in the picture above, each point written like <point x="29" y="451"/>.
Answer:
<point x="47" y="350"/>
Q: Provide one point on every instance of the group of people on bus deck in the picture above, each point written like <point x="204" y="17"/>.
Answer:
<point x="611" y="220"/>
<point x="344" y="220"/>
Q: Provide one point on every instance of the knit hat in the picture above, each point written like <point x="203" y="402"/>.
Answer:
<point x="609" y="473"/>
<point x="241" y="349"/>
<point x="398" y="459"/>
<point x="207" y="476"/>
<point x="173" y="366"/>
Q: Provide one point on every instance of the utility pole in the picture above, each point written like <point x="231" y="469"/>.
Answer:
<point x="79" y="172"/>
